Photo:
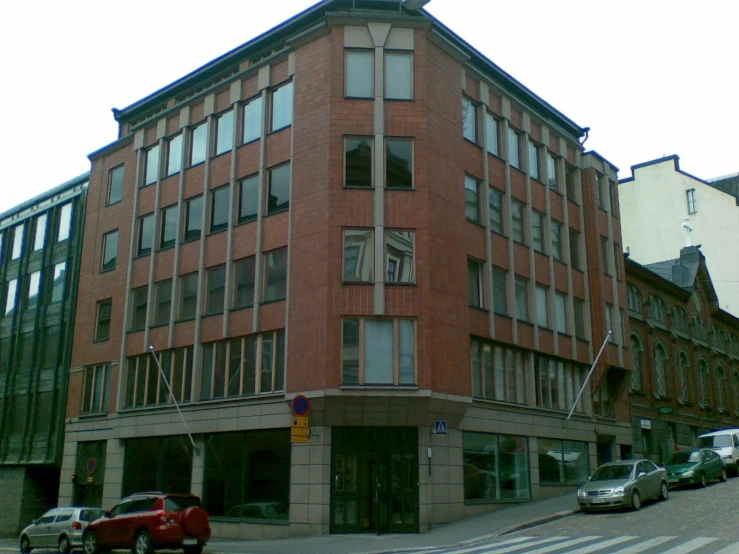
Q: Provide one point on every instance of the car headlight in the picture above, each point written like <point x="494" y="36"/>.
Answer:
<point x="581" y="493"/>
<point x="618" y="491"/>
<point x="688" y="473"/>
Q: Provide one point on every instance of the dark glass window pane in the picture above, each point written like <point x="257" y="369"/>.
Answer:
<point x="275" y="275"/>
<point x="216" y="290"/>
<point x="102" y="330"/>
<point x="244" y="282"/>
<point x="188" y="295"/>
<point x="174" y="155"/>
<point x="57" y="290"/>
<point x="224" y="132"/>
<point x="282" y="107"/>
<point x="472" y="199"/>
<point x="115" y="187"/>
<point x="469" y="120"/>
<point x="358" y="255"/>
<point x="193" y="224"/>
<point x="219" y="209"/>
<point x="399" y="256"/>
<point x="152" y="165"/>
<point x="110" y="250"/>
<point x="279" y="189"/>
<point x="358" y="162"/>
<point x="199" y="146"/>
<point x="350" y="352"/>
<point x="163" y="302"/>
<point x="399" y="163"/>
<point x="249" y="198"/>
<point x="253" y="120"/>
<point x="138" y="312"/>
<point x="146" y="234"/>
<point x="169" y="226"/>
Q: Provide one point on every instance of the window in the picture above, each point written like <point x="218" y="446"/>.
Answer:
<point x="469" y="120"/>
<point x="634" y="299"/>
<point x="475" y="281"/>
<point x="679" y="318"/>
<point x="152" y="165"/>
<point x="278" y="198"/>
<point x="683" y="375"/>
<point x="146" y="235"/>
<point x="358" y="162"/>
<point x="163" y="302"/>
<point x="102" y="319"/>
<point x="398" y="76"/>
<point x="571" y="182"/>
<point x="34" y="285"/>
<point x="692" y="201"/>
<point x="215" y="295"/>
<point x="537" y="230"/>
<point x="534" y="160"/>
<point x="282" y="107"/>
<point x="224" y="132"/>
<point x="399" y="266"/>
<point x="378" y="351"/>
<point x="358" y="255"/>
<point x="219" y="208"/>
<point x="492" y="130"/>
<point x="199" y="146"/>
<point x="248" y="198"/>
<point x="174" y="155"/>
<point x="575" y="257"/>
<point x="542" y="307"/>
<point x="498" y="373"/>
<point x="602" y="191"/>
<point x="1" y="247"/>
<point x="253" y="120"/>
<point x="496" y="468"/>
<point x="275" y="275"/>
<point x="359" y="73"/>
<point x="96" y="389"/>
<point x="603" y="400"/>
<point x="18" y="241"/>
<point x="660" y="357"/>
<point x="699" y="329"/>
<point x="500" y="294"/>
<point x="40" y="239"/>
<point x="717" y="338"/>
<point x="110" y="251"/>
<point x="612" y="194"/>
<point x="193" y="218"/>
<point x="617" y="257"/>
<point x="704" y="384"/>
<point x="399" y="163"/>
<point x="156" y="473"/>
<point x="146" y="386"/>
<point x="517" y="219"/>
<point x="65" y="222"/>
<point x="168" y="236"/>
<point x="558" y="384"/>
<point x="604" y="255"/>
<point x="244" y="282"/>
<point x="115" y="185"/>
<point x="514" y="148"/>
<point x="636" y="356"/>
<point x="11" y="293"/>
<point x="609" y="322"/>
<point x="57" y="286"/>
<point x="734" y="347"/>
<point x="139" y="298"/>
<point x="522" y="298"/>
<point x="495" y="199"/>
<point x="472" y="199"/>
<point x="188" y="295"/>
<point x="560" y="312"/>
<point x="562" y="462"/>
<point x="579" y="308"/>
<point x="657" y="310"/>
<point x="557" y="240"/>
<point x="552" y="172"/>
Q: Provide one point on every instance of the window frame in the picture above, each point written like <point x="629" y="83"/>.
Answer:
<point x="143" y="293"/>
<point x="245" y="120"/>
<point x="492" y="122"/>
<point x="520" y="282"/>
<point x="227" y="135"/>
<point x="100" y="317"/>
<point x="289" y="84"/>
<point x="500" y="372"/>
<point x="177" y="142"/>
<point x="552" y="171"/>
<point x="409" y="55"/>
<point x="181" y="298"/>
<point x="534" y="165"/>
<point x="468" y="180"/>
<point x="364" y="233"/>
<point x="158" y="319"/>
<point x="39" y="240"/>
<point x="476" y="279"/>
<point x="411" y="280"/>
<point x="468" y="102"/>
<point x="152" y="165"/>
<point x="266" y="275"/>
<point x="112" y="174"/>
<point x="371" y="141"/>
<point x="249" y="178"/>
<point x="513" y="145"/>
<point x="270" y="210"/>
<point x="195" y="132"/>
<point x="168" y="211"/>
<point x="94" y="399"/>
<point x="692" y="201"/>
<point x="412" y="142"/>
<point x="141" y="250"/>
<point x="235" y="304"/>
<point x="365" y="51"/>
<point x="188" y="234"/>
<point x="210" y="273"/>
<point x="217" y="194"/>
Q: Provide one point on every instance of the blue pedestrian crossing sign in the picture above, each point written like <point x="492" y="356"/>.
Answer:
<point x="440" y="427"/>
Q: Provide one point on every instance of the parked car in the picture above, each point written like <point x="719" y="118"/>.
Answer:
<point x="694" y="467"/>
<point x="60" y="527"/>
<point x="148" y="521"/>
<point x="623" y="484"/>
<point x="725" y="443"/>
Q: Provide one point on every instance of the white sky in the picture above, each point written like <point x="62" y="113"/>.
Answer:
<point x="649" y="77"/>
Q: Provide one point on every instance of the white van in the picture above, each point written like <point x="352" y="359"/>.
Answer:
<point x="725" y="443"/>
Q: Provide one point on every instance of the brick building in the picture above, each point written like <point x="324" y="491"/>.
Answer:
<point x="40" y="244"/>
<point x="360" y="208"/>
<point x="685" y="352"/>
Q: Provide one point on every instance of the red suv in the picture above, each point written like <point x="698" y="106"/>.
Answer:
<point x="149" y="520"/>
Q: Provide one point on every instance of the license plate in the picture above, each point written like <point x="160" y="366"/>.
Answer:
<point x="598" y="501"/>
<point x="188" y="542"/>
<point x="672" y="480"/>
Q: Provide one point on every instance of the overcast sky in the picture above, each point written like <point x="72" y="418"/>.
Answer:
<point x="649" y="77"/>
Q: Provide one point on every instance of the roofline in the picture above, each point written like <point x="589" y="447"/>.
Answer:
<point x="648" y="273"/>
<point x="596" y="153"/>
<point x="673" y="157"/>
<point x="46" y="195"/>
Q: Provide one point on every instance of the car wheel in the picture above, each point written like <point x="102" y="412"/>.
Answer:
<point x="25" y="545"/>
<point x="723" y="476"/>
<point x="663" y="492"/>
<point x="703" y="481"/>
<point x="90" y="543"/>
<point x="635" y="500"/>
<point x="65" y="547"/>
<point x="194" y="549"/>
<point x="142" y="544"/>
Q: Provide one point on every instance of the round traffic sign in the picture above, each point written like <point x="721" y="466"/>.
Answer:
<point x="91" y="466"/>
<point x="300" y="405"/>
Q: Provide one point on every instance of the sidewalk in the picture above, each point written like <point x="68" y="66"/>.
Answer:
<point x="505" y="520"/>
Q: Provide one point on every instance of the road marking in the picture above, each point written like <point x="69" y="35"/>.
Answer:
<point x="689" y="546"/>
<point x="602" y="545"/>
<point x="482" y="546"/>
<point x="642" y="546"/>
<point x="564" y="544"/>
<point x="731" y="549"/>
<point x="495" y="550"/>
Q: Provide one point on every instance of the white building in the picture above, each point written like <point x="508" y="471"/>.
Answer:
<point x="664" y="209"/>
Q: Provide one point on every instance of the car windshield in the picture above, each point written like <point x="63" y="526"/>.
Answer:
<point x="91" y="514"/>
<point x="684" y="458"/>
<point x="178" y="503"/>
<point x="715" y="441"/>
<point x="605" y="473"/>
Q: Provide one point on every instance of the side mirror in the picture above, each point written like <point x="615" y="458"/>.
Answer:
<point x="107" y="513"/>
<point x="641" y="474"/>
<point x="35" y="521"/>
<point x="590" y="477"/>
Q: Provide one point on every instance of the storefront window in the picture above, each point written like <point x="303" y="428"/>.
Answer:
<point x="157" y="464"/>
<point x="496" y="468"/>
<point x="563" y="462"/>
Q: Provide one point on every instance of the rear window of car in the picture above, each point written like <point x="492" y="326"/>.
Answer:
<point x="64" y="515"/>
<point x="179" y="503"/>
<point x="715" y="441"/>
<point x="91" y="515"/>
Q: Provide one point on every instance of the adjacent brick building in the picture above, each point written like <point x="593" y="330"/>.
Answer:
<point x="360" y="208"/>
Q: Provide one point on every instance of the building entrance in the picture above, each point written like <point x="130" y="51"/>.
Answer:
<point x="374" y="486"/>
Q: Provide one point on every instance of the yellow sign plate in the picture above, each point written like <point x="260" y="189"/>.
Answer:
<point x="299" y="435"/>
<point x="300" y="421"/>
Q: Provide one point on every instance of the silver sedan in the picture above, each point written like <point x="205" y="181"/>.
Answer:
<point x="61" y="528"/>
<point x="622" y="484"/>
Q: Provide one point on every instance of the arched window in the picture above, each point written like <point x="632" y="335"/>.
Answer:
<point x="634" y="297"/>
<point x="735" y="383"/>
<point x="703" y="388"/>
<point x="699" y="328"/>
<point x="636" y="353"/>
<point x="657" y="309"/>
<point x="717" y="337"/>
<point x="684" y="372"/>
<point x="681" y="319"/>
<point x="733" y="344"/>
<point x="720" y="388"/>
<point x="660" y="359"/>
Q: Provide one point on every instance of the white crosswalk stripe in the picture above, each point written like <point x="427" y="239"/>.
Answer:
<point x="602" y="545"/>
<point x="561" y="545"/>
<point x="731" y="549"/>
<point x="691" y="545"/>
<point x="513" y="548"/>
<point x="642" y="546"/>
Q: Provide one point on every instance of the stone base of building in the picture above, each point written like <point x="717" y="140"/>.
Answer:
<point x="27" y="493"/>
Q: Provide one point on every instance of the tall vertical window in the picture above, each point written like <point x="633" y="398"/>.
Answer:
<point x="399" y="76"/>
<point x="199" y="144"/>
<point x="657" y="309"/>
<point x="692" y="201"/>
<point x="248" y="198"/>
<point x="278" y="197"/>
<point x="162" y="302"/>
<point x="472" y="198"/>
<point x="220" y="202"/>
<point x="11" y="294"/>
<point x="1" y="247"/>
<point x="609" y="323"/>
<point x="358" y="255"/>
<point x="110" y="251"/>
<point x="152" y="165"/>
<point x="552" y="172"/>
<point x="145" y="235"/>
<point x="514" y="148"/>
<point x="378" y="351"/>
<point x="498" y="373"/>
<point x="96" y="389"/>
<point x="602" y="190"/>
<point x="282" y="107"/>
<point x="399" y="163"/>
<point x="495" y="199"/>
<point x="636" y="357"/>
<point x="534" y="160"/>
<point x="469" y="120"/>
<point x="704" y="379"/>
<point x="522" y="298"/>
<point x="492" y="133"/>
<point x="604" y="255"/>
<point x="57" y="286"/>
<point x="560" y="312"/>
<point x="556" y="236"/>
<point x="65" y="222"/>
<point x="660" y="358"/>
<point x="617" y="257"/>
<point x="34" y="286"/>
<point x="188" y="296"/>
<point x="243" y="296"/>
<point x="168" y="235"/>
<point x="115" y="184"/>
<point x="399" y="249"/>
<point x="500" y="291"/>
<point x="253" y="120"/>
<point x="475" y="280"/>
<point x="18" y="234"/>
<point x="517" y="221"/>
<point x="139" y="297"/>
<point x="275" y="275"/>
<point x="224" y="132"/>
<point x="542" y="306"/>
<point x="40" y="238"/>
<point x="575" y="258"/>
<point x="145" y="386"/>
<point x="193" y="218"/>
<point x="557" y="383"/>
<point x="174" y="155"/>
<point x="571" y="182"/>
<point x="358" y="162"/>
<point x="359" y="73"/>
<point x="215" y="296"/>
<point x="579" y="313"/>
<point x="537" y="230"/>
<point x="683" y="375"/>
<point x="102" y="320"/>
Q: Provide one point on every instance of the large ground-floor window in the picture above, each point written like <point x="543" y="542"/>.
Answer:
<point x="157" y="464"/>
<point x="563" y="462"/>
<point x="247" y="475"/>
<point x="496" y="468"/>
